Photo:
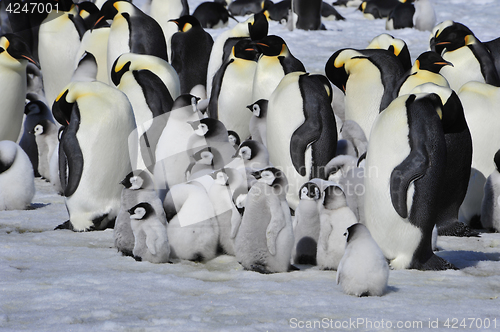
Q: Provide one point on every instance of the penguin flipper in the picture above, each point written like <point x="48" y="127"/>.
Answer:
<point x="151" y="240"/>
<point x="435" y="263"/>
<point x="235" y="222"/>
<point x="276" y="224"/>
<point x="213" y="105"/>
<point x="71" y="156"/>
<point x="325" y="231"/>
<point x="156" y="93"/>
<point x="411" y="169"/>
<point x="302" y="137"/>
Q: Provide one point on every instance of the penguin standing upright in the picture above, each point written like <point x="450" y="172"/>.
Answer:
<point x="425" y="16"/>
<point x="132" y="31"/>
<point x="401" y="16"/>
<point x="490" y="210"/>
<point x="190" y="52"/>
<point x="264" y="238"/>
<point x="309" y="14"/>
<point x="273" y="64"/>
<point x="14" y="56"/>
<point x="301" y="129"/>
<point x="58" y="43"/>
<point x="232" y="89"/>
<point x="402" y="189"/>
<point x="212" y="15"/>
<point x="257" y="124"/>
<point x="46" y="136"/>
<point x="17" y="181"/>
<point x="93" y="151"/>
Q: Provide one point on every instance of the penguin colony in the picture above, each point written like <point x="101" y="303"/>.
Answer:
<point x="139" y="128"/>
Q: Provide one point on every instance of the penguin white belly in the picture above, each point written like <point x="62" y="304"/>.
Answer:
<point x="267" y="77"/>
<point x="57" y="49"/>
<point x="13" y="96"/>
<point x="163" y="11"/>
<point x="221" y="198"/>
<point x="396" y="236"/>
<point x="306" y="226"/>
<point x="235" y="95"/>
<point x="480" y="102"/>
<point x="465" y="68"/>
<point x="118" y="42"/>
<point x="284" y="116"/>
<point x="362" y="99"/>
<point x="96" y="42"/>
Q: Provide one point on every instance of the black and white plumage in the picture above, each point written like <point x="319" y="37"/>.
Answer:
<point x="490" y="211"/>
<point x="363" y="269"/>
<point x="46" y="137"/>
<point x="257" y="124"/>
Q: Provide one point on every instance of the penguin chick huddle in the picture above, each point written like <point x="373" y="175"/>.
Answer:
<point x="191" y="147"/>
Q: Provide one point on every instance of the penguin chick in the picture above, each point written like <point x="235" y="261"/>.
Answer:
<point x="335" y="217"/>
<point x="257" y="122"/>
<point x="46" y="137"/>
<point x="490" y="211"/>
<point x="363" y="270"/>
<point x="150" y="233"/>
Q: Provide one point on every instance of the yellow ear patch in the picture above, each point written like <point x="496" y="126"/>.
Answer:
<point x="186" y="27"/>
<point x="61" y="94"/>
<point x="4" y="42"/>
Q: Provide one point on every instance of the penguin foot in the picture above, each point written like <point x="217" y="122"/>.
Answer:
<point x="259" y="267"/>
<point x="102" y="222"/>
<point x="138" y="258"/>
<point x="65" y="225"/>
<point x="126" y="253"/>
<point x="435" y="263"/>
<point x="457" y="228"/>
<point x="293" y="268"/>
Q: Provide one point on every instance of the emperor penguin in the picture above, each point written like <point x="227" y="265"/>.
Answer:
<point x="132" y="31"/>
<point x="255" y="27"/>
<point x="275" y="61"/>
<point x="257" y="124"/>
<point x="190" y="48"/>
<point x="138" y="187"/>
<point x="352" y="132"/>
<point x="264" y="238"/>
<point x="93" y="151"/>
<point x="306" y="225"/>
<point x="308" y="14"/>
<point x="401" y="16"/>
<point x="192" y="227"/>
<point x="150" y="234"/>
<point x="335" y="217"/>
<point x="212" y="15"/>
<point x="301" y="129"/>
<point x="480" y="101"/>
<point x="458" y="161"/>
<point x="14" y="56"/>
<point x="490" y="210"/>
<point x="374" y="9"/>
<point x="372" y="73"/>
<point x="425" y="15"/>
<point x="363" y="269"/>
<point x="35" y="111"/>
<point x="165" y="11"/>
<point x="247" y="7"/>
<point x="232" y="88"/>
<point x="395" y="45"/>
<point x="47" y="140"/>
<point x="402" y="192"/>
<point x="17" y="180"/>
<point x="254" y="155"/>
<point x="425" y="70"/>
<point x="59" y="39"/>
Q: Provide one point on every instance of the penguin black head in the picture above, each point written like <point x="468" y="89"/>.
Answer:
<point x="335" y="71"/>
<point x="272" y="45"/>
<point x="205" y="156"/>
<point x="89" y="12"/>
<point x="355" y="231"/>
<point x="449" y="35"/>
<point x="309" y="191"/>
<point x="248" y="149"/>
<point x="119" y="68"/>
<point x="259" y="27"/>
<point x="259" y="108"/>
<point x="234" y="138"/>
<point x="16" y="48"/>
<point x="41" y="128"/>
<point x="36" y="107"/>
<point x="186" y="23"/>
<point x="62" y="110"/>
<point x="137" y="180"/>
<point x="334" y="198"/>
<point x="184" y="100"/>
<point x="272" y="177"/>
<point x="496" y="159"/>
<point x="112" y="7"/>
<point x="431" y="61"/>
<point x="141" y="211"/>
<point x="244" y="49"/>
<point x="210" y="129"/>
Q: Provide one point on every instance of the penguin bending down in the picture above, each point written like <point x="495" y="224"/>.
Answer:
<point x="301" y="129"/>
<point x="402" y="192"/>
<point x="93" y="152"/>
<point x="17" y="180"/>
<point x="264" y="239"/>
<point x="394" y="45"/>
<point x="212" y="15"/>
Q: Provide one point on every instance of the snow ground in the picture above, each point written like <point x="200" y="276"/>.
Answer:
<point x="65" y="281"/>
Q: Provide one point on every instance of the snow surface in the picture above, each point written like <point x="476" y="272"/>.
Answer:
<point x="66" y="281"/>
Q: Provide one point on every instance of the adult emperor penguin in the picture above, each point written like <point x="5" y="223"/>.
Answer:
<point x="255" y="27"/>
<point x="14" y="57"/>
<point x="190" y="51"/>
<point x="458" y="161"/>
<point x="373" y="9"/>
<point x="490" y="209"/>
<point x="17" y="181"/>
<point x="138" y="187"/>
<point x="480" y="102"/>
<point x="257" y="124"/>
<point x="335" y="217"/>
<point x="401" y="16"/>
<point x="372" y="73"/>
<point x="301" y="129"/>
<point x="264" y="239"/>
<point x="309" y="14"/>
<point x="273" y="64"/>
<point x="232" y="88"/>
<point x="402" y="192"/>
<point x="247" y="7"/>
<point x="306" y="225"/>
<point x="150" y="233"/>
<point x="212" y="15"/>
<point x="395" y="45"/>
<point x="363" y="270"/>
<point x="46" y="136"/>
<point x="93" y="151"/>
<point x="132" y="31"/>
<point x="58" y="43"/>
<point x="425" y="70"/>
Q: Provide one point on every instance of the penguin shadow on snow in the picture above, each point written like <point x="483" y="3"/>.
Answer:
<point x="36" y="206"/>
<point x="465" y="258"/>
